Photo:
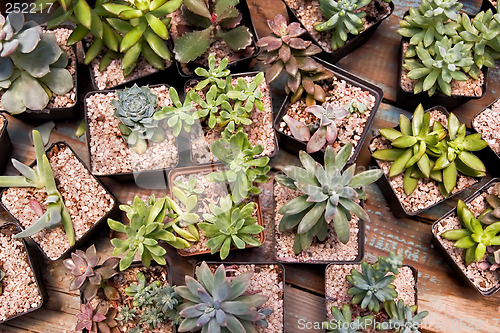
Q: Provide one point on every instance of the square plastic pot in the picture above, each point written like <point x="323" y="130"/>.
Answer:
<point x="88" y="235"/>
<point x="352" y="43"/>
<point x="5" y="145"/>
<point x="293" y="146"/>
<point x="448" y="256"/>
<point x="488" y="155"/>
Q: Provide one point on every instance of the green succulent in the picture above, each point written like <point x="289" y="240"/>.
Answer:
<point x="229" y="225"/>
<point x="40" y="177"/>
<point x="32" y="65"/>
<point x="286" y="52"/>
<point x="215" y="75"/>
<point x="146" y="229"/>
<point x="216" y="303"/>
<point x="355" y="106"/>
<point x="402" y="318"/>
<point x="179" y="115"/>
<point x="392" y="263"/>
<point x="371" y="286"/>
<point x="328" y="195"/>
<point x="344" y="323"/>
<point x="189" y="188"/>
<point x="475" y="237"/>
<point x="247" y="93"/>
<point x="414" y="146"/>
<point x="214" y="103"/>
<point x="2" y="276"/>
<point x="126" y="314"/>
<point x="135" y="109"/>
<point x="492" y="214"/>
<point x="217" y="20"/>
<point x="243" y="169"/>
<point x="342" y="16"/>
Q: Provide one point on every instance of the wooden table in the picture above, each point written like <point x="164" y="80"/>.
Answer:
<point x="453" y="306"/>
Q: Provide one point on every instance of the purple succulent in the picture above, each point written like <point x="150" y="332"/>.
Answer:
<point x="327" y="132"/>
<point x="101" y="319"/>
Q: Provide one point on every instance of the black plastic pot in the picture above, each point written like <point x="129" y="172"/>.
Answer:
<point x="143" y="178"/>
<point x="5" y="145"/>
<point x="486" y="4"/>
<point x="385" y="186"/>
<point x="292" y="145"/>
<point x="34" y="265"/>
<point x="448" y="257"/>
<point x="194" y="81"/>
<point x="87" y="236"/>
<point x="243" y="64"/>
<point x="409" y="101"/>
<point x="352" y="43"/>
<point x="488" y="155"/>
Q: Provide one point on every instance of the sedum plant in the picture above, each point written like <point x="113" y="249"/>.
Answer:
<point x="243" y="169"/>
<point x="190" y="187"/>
<point x="492" y="214"/>
<point x="87" y="277"/>
<point x="230" y="224"/>
<point x="32" y="65"/>
<point x="98" y="319"/>
<point x="217" y="303"/>
<point x="216" y="20"/>
<point x="328" y="194"/>
<point x="215" y="75"/>
<point x="402" y="318"/>
<point x="289" y="54"/>
<point x="41" y="176"/>
<point x="327" y="132"/>
<point x="135" y="109"/>
<point x="475" y="237"/>
<point x="344" y="323"/>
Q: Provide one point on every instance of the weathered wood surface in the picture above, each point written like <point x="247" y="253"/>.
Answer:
<point x="453" y="306"/>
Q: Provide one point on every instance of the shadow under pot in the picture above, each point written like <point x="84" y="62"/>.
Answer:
<point x="308" y="12"/>
<point x="208" y="193"/>
<point x="88" y="202"/>
<point x="342" y="91"/>
<point x="259" y="132"/>
<point x="22" y="289"/>
<point x="336" y="287"/>
<point x="60" y="107"/>
<point x="111" y="155"/>
<point x="427" y="193"/>
<point x="268" y="279"/>
<point x="328" y="251"/>
<point x="482" y="279"/>
<point x="239" y="61"/>
<point x="125" y="279"/>
<point x="487" y="123"/>
<point x="5" y="143"/>
<point x="462" y="91"/>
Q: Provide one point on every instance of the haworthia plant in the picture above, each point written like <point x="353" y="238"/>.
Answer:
<point x="402" y="318"/>
<point x="344" y="323"/>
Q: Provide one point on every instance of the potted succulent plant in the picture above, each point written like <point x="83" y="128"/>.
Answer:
<point x="226" y="102"/>
<point x="426" y="160"/>
<point x="57" y="201"/>
<point x="5" y="143"/>
<point x="124" y="40"/>
<point x="216" y="26"/>
<point x="347" y="104"/>
<point x="125" y="136"/>
<point x="339" y="27"/>
<point x="21" y="286"/>
<point x="257" y="289"/>
<point x="468" y="238"/>
<point x="486" y="123"/>
<point x="351" y="302"/>
<point x="38" y="76"/>
<point x="318" y="205"/>
<point x="445" y="54"/>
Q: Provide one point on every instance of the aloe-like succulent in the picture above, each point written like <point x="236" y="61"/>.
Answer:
<point x="327" y="132"/>
<point x="492" y="213"/>
<point x="98" y="319"/>
<point x="146" y="228"/>
<point x="215" y="75"/>
<point x="243" y="168"/>
<point x="32" y="65"/>
<point x="230" y="224"/>
<point x="87" y="277"/>
<point x="342" y="16"/>
<point x="286" y="52"/>
<point x="402" y="318"/>
<point x="344" y="323"/>
<point x="217" y="20"/>
<point x="216" y="303"/>
<point x="328" y="195"/>
<point x="135" y="108"/>
<point x="475" y="237"/>
<point x="41" y="176"/>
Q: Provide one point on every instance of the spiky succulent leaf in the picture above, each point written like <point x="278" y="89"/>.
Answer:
<point x="403" y="318"/>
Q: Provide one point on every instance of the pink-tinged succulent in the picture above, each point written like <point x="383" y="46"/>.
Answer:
<point x="89" y="279"/>
<point x="101" y="319"/>
<point x="300" y="131"/>
<point x="327" y="132"/>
